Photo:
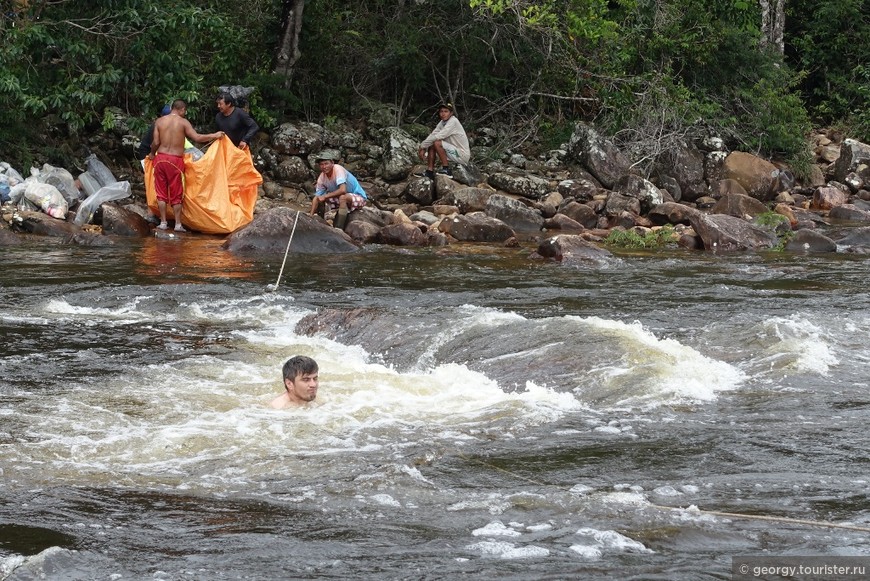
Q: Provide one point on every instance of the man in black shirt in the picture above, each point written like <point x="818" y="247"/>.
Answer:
<point x="235" y="122"/>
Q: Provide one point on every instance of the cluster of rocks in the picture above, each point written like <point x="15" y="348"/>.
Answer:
<point x="566" y="200"/>
<point x="576" y="195"/>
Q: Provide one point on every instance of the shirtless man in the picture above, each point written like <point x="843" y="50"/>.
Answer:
<point x="300" y="383"/>
<point x="167" y="155"/>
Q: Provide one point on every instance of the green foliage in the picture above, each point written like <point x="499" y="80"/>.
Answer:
<point x="827" y="40"/>
<point x="770" y="219"/>
<point x="68" y="61"/>
<point x="632" y="239"/>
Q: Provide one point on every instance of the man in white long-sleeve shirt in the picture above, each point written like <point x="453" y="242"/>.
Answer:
<point x="447" y="142"/>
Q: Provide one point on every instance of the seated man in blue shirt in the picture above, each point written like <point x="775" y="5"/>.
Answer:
<point x="337" y="188"/>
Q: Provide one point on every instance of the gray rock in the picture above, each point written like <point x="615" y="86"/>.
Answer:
<point x="43" y="225"/>
<point x="402" y="235"/>
<point x="739" y="206"/>
<point x="573" y="249"/>
<point x="269" y="232"/>
<point x="721" y="232"/>
<point x="123" y="222"/>
<point x="672" y="213"/>
<point x="810" y="241"/>
<point x="471" y="199"/>
<point x="468" y="174"/>
<point x="298" y="139"/>
<point x="852" y="154"/>
<point x="643" y="190"/>
<point x="618" y="203"/>
<point x="528" y="186"/>
<point x="579" y="189"/>
<point x="598" y="155"/>
<point x="686" y="166"/>
<point x="849" y="212"/>
<point x="420" y="191"/>
<point x="514" y="213"/>
<point x="580" y="213"/>
<point x="562" y="222"/>
<point x="400" y="154"/>
<point x="476" y="227"/>
<point x="292" y="170"/>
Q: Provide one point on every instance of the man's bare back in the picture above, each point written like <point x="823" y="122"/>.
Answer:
<point x="170" y="131"/>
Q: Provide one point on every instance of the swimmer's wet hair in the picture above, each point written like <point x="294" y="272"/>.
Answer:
<point x="299" y="365"/>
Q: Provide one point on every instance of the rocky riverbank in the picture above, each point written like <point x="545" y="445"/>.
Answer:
<point x="566" y="201"/>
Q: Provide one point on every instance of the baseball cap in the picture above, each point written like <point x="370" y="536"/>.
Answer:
<point x="165" y="111"/>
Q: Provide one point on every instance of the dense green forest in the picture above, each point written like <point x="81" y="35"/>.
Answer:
<point x="759" y="73"/>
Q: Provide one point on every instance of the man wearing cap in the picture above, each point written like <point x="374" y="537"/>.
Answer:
<point x="447" y="142"/>
<point x="337" y="188"/>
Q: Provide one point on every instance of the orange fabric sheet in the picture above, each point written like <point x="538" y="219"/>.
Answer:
<point x="220" y="189"/>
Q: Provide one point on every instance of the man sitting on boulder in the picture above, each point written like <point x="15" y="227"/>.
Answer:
<point x="447" y="142"/>
<point x="337" y="188"/>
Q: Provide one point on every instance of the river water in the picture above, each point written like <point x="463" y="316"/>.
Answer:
<point x="480" y="415"/>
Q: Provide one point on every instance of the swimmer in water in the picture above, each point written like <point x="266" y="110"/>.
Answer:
<point x="300" y="383"/>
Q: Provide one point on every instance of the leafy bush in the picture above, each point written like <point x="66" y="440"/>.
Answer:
<point x="656" y="238"/>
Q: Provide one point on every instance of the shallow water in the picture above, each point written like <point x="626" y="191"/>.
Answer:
<point x="480" y="414"/>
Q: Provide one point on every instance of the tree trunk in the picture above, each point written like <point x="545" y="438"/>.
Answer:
<point x="772" y="25"/>
<point x="288" y="49"/>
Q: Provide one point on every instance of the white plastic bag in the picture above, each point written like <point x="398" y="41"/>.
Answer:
<point x="47" y="198"/>
<point x="99" y="171"/>
<point x="59" y="178"/>
<point x="13" y="176"/>
<point x="90" y="186"/>
<point x="115" y="191"/>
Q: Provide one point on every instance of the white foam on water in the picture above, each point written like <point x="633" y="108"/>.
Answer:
<point x="613" y="541"/>
<point x="505" y="550"/>
<point x="802" y="344"/>
<point x="495" y="529"/>
<point x="677" y="372"/>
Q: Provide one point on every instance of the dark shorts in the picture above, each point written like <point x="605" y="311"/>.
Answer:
<point x="168" y="174"/>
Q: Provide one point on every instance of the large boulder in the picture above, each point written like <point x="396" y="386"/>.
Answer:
<point x="644" y="191"/>
<point x="852" y="154"/>
<point x="400" y="154"/>
<point x="721" y="232"/>
<point x="43" y="225"/>
<point x="514" y="213"/>
<point x="850" y="213"/>
<point x="618" y="203"/>
<point x="420" y="191"/>
<point x="672" y="213"/>
<point x="403" y="234"/>
<point x="476" y="227"/>
<point x="580" y="213"/>
<point x="598" y="155"/>
<point x="573" y="249"/>
<point x="810" y="241"/>
<point x="757" y="176"/>
<point x="685" y="165"/>
<point x="739" y="206"/>
<point x="828" y="197"/>
<point x="471" y="199"/>
<point x="298" y="138"/>
<point x="858" y="238"/>
<point x="270" y="231"/>
<point x="562" y="222"/>
<point x="468" y="174"/>
<point x="123" y="222"/>
<point x="528" y="186"/>
<point x="578" y="189"/>
<point x="291" y="170"/>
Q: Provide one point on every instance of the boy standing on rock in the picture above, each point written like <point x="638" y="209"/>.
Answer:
<point x="447" y="142"/>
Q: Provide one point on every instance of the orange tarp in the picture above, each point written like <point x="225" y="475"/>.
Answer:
<point x="220" y="189"/>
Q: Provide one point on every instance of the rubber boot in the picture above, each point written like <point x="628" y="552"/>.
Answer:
<point x="340" y="218"/>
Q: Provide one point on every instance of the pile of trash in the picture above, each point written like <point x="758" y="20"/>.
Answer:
<point x="54" y="191"/>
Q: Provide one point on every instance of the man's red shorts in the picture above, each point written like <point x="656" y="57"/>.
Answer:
<point x="168" y="171"/>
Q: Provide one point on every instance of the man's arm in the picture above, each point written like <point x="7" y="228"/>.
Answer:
<point x="191" y="134"/>
<point x="440" y="132"/>
<point x="155" y="141"/>
<point x="251" y="129"/>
